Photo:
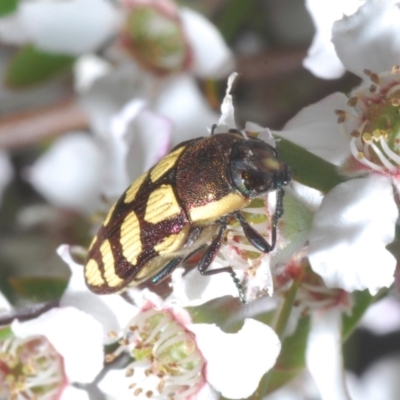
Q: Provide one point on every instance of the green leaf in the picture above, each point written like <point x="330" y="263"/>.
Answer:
<point x="8" y="6"/>
<point x="39" y="289"/>
<point x="236" y="14"/>
<point x="30" y="66"/>
<point x="362" y="300"/>
<point x="5" y="333"/>
<point x="308" y="168"/>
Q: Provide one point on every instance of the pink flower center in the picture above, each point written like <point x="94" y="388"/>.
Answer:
<point x="374" y="128"/>
<point x="167" y="362"/>
<point x="30" y="369"/>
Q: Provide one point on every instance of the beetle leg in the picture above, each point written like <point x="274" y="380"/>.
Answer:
<point x="213" y="129"/>
<point x="254" y="237"/>
<point x="209" y="256"/>
<point x="167" y="270"/>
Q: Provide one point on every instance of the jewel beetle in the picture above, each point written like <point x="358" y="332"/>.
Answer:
<point x="180" y="207"/>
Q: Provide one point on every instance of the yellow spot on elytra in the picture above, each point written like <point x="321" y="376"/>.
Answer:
<point x="130" y="238"/>
<point x="165" y="164"/>
<point x="162" y="205"/>
<point x="212" y="211"/>
<point x="133" y="189"/>
<point x="92" y="243"/>
<point x="110" y="275"/>
<point x="93" y="274"/>
<point x="107" y="220"/>
<point x="172" y="242"/>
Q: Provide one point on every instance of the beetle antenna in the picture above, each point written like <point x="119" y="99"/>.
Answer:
<point x="214" y="126"/>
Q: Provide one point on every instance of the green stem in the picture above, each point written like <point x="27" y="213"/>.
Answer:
<point x="280" y="328"/>
<point x="286" y="309"/>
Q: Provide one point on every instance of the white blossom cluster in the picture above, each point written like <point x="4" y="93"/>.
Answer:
<point x="332" y="244"/>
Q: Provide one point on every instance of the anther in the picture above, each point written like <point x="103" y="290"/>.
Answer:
<point x="367" y="72"/>
<point x="374" y="78"/>
<point x="341" y="116"/>
<point x="372" y="88"/>
<point x="112" y="334"/>
<point x="352" y="101"/>
<point x="367" y="137"/>
<point x="129" y="372"/>
<point x="395" y="102"/>
<point x="395" y="69"/>
<point x="138" y="391"/>
<point x="109" y="357"/>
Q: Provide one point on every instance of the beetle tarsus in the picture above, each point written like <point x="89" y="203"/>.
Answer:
<point x="167" y="270"/>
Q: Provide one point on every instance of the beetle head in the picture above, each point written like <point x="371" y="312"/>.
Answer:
<point x="255" y="168"/>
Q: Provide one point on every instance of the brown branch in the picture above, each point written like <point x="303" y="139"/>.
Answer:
<point x="29" y="127"/>
<point x="270" y="65"/>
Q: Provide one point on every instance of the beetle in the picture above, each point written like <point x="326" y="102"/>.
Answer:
<point x="181" y="206"/>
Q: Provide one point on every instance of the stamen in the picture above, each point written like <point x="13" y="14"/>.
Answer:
<point x="392" y="91"/>
<point x="383" y="159"/>
<point x="358" y="155"/>
<point x="392" y="155"/>
<point x="352" y="102"/>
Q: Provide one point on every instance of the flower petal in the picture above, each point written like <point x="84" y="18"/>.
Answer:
<point x="350" y="232"/>
<point x="69" y="173"/>
<point x="116" y="178"/>
<point x="237" y="362"/>
<point x="382" y="317"/>
<point x="324" y="354"/>
<point x="194" y="289"/>
<point x="321" y="59"/>
<point x="182" y="102"/>
<point x="70" y="27"/>
<point x="73" y="393"/>
<point x="77" y="336"/>
<point x="370" y="38"/>
<point x="227" y="118"/>
<point x="148" y="140"/>
<point x="112" y="311"/>
<point x="316" y="129"/>
<point x="212" y="57"/>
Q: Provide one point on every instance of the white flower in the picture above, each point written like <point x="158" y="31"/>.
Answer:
<point x="69" y="27"/>
<point x="47" y="354"/>
<point x="112" y="311"/>
<point x="379" y="381"/>
<point x="79" y="169"/>
<point x="173" y="356"/>
<point x="321" y="59"/>
<point x="357" y="218"/>
<point x="324" y="353"/>
<point x="171" y="353"/>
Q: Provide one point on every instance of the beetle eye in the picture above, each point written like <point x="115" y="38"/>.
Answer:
<point x="254" y="181"/>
